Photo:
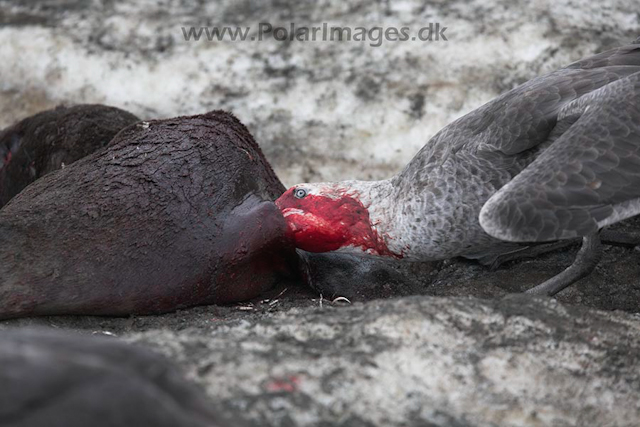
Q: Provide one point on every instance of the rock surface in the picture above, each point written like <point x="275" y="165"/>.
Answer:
<point x="415" y="361"/>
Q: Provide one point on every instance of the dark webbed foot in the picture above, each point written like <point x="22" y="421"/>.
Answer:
<point x="585" y="262"/>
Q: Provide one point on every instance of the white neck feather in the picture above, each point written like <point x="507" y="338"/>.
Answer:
<point x="379" y="199"/>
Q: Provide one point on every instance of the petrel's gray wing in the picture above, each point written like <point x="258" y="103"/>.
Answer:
<point x="624" y="55"/>
<point x="504" y="130"/>
<point x="587" y="177"/>
<point x="524" y="117"/>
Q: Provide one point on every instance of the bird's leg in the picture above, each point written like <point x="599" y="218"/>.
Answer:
<point x="585" y="262"/>
<point x="529" y="252"/>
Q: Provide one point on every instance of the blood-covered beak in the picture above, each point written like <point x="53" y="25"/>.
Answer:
<point x="301" y="223"/>
<point x="308" y="230"/>
<point x="296" y="220"/>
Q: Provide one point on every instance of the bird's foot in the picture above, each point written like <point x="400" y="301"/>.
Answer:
<point x="585" y="262"/>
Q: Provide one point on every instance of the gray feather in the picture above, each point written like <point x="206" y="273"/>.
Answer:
<point x="582" y="181"/>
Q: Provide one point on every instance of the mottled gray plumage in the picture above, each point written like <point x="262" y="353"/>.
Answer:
<point x="555" y="158"/>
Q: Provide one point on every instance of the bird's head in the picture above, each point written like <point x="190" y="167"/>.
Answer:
<point x="330" y="216"/>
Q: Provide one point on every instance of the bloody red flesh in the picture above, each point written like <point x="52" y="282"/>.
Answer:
<point x="318" y="223"/>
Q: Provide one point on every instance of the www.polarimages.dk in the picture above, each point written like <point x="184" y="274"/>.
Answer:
<point x="374" y="35"/>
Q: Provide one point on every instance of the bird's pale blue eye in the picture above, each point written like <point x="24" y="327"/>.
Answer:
<point x="300" y="193"/>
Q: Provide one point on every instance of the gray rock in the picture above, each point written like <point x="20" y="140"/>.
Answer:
<point x="412" y="361"/>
